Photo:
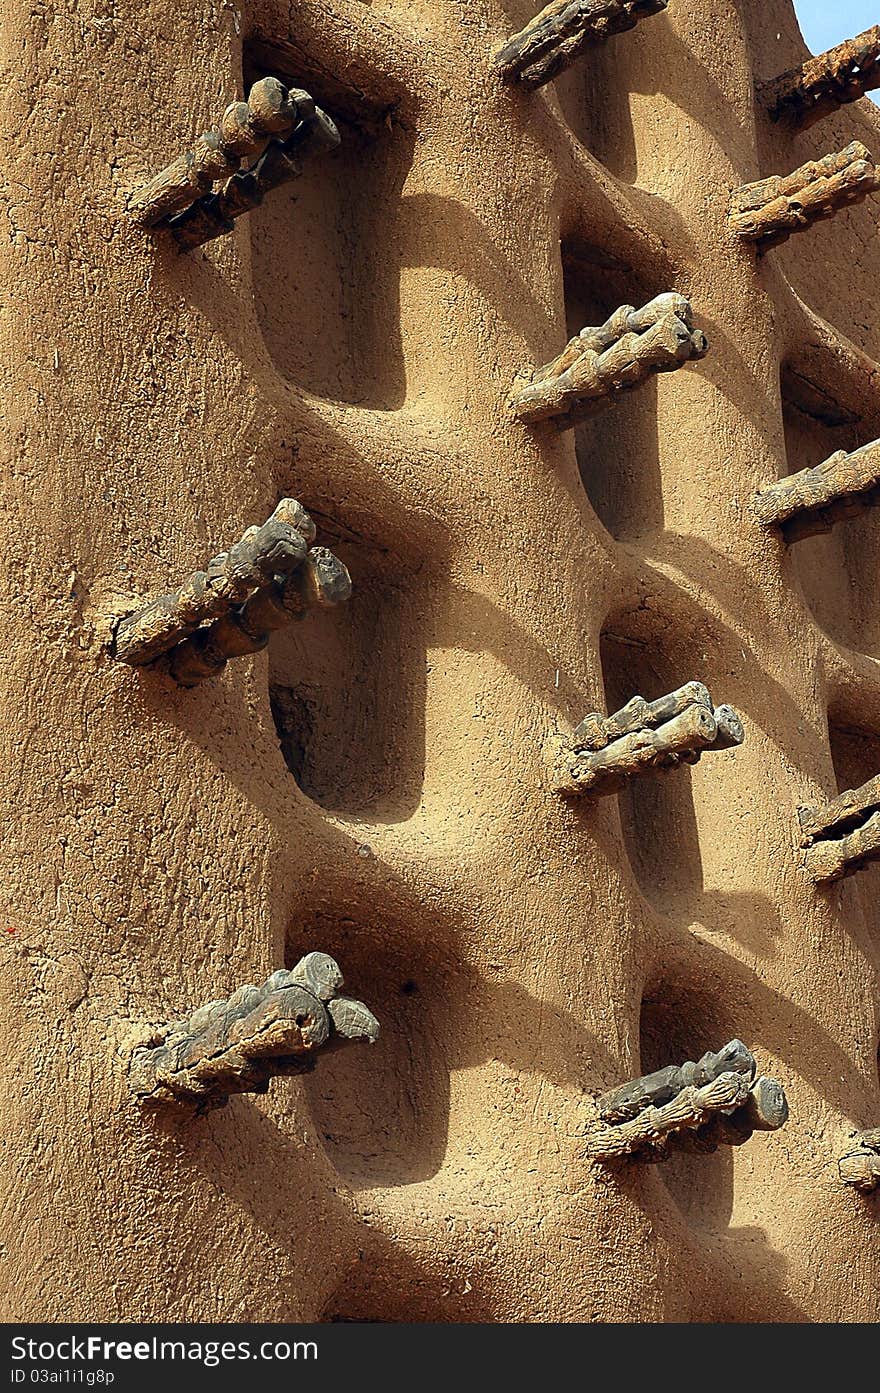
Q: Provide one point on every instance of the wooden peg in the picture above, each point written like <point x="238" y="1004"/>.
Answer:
<point x="813" y="500"/>
<point x="860" y="1168"/>
<point x="843" y="835"/>
<point x="695" y="1106"/>
<point x="652" y="1090"/>
<point x="600" y="363"/>
<point x="823" y="84"/>
<point x="243" y="130"/>
<point x="214" y="215"/>
<point x="321" y="580"/>
<point x="239" y="1044"/>
<point x="769" y="211"/>
<point x="605" y="752"/>
<point x="563" y="30"/>
<point x="230" y="578"/>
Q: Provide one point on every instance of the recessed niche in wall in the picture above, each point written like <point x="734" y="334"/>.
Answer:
<point x="595" y="102"/>
<point x="382" y="1111"/>
<point x="675" y="1026"/>
<point x="837" y="571"/>
<point x="617" y="450"/>
<point x="657" y="813"/>
<point x="840" y="300"/>
<point x="325" y="271"/>
<point x="347" y="691"/>
<point x="856" y="757"/>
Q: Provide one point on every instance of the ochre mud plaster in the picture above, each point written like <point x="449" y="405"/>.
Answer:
<point x="352" y="345"/>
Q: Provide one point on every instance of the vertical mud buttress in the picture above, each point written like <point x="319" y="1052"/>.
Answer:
<point x="374" y="785"/>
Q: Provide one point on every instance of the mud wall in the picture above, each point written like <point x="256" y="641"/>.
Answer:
<point x="353" y="345"/>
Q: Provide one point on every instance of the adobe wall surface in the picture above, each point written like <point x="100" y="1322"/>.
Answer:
<point x="353" y="344"/>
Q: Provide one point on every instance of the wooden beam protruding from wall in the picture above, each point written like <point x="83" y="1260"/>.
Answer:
<point x="844" y="834"/>
<point x="695" y="1107"/>
<point x="562" y="31"/>
<point x="214" y="215"/>
<point x="823" y="84"/>
<point x="770" y="210"/>
<point x="860" y="1168"/>
<point x="813" y="500"/>
<point x="240" y="1043"/>
<point x="244" y="131"/>
<point x="270" y="577"/>
<point x="604" y="753"/>
<point x="600" y="363"/>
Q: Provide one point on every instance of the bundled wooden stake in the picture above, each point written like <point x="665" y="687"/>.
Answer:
<point x="244" y="131"/>
<point x="813" y="500"/>
<point x="694" y="1106"/>
<point x="843" y="835"/>
<point x="823" y="84"/>
<point x="322" y="580"/>
<point x="625" y="1102"/>
<point x="600" y="363"/>
<point x="237" y="1045"/>
<point x="861" y="1168"/>
<point x="552" y="41"/>
<point x="769" y="211"/>
<point x="263" y="582"/>
<point x="215" y="214"/>
<point x="605" y="752"/>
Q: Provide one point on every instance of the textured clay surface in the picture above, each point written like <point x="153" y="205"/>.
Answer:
<point x="374" y="785"/>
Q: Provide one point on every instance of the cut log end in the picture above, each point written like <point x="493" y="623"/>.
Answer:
<point x="238" y="1044"/>
<point x="600" y="363"/>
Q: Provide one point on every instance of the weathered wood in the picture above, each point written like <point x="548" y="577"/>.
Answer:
<point x="557" y="36"/>
<point x="215" y="214"/>
<point x="243" y="130"/>
<point x="691" y="1108"/>
<point x="696" y="1106"/>
<point x="823" y="84"/>
<point x="598" y="364"/>
<point x="650" y="1090"/>
<point x="277" y="548"/>
<point x="848" y="809"/>
<point x="626" y="319"/>
<point x="239" y="1044"/>
<point x="844" y="834"/>
<point x="595" y="731"/>
<point x="770" y="210"/>
<point x="595" y="761"/>
<point x="833" y="860"/>
<point x="729" y="728"/>
<point x="321" y="580"/>
<point x="861" y="1168"/>
<point x="813" y="500"/>
<point x="765" y="1109"/>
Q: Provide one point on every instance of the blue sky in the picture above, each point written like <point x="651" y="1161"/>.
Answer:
<point x="825" y="24"/>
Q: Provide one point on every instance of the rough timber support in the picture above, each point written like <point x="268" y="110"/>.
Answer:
<point x="813" y="500"/>
<point x="770" y="210"/>
<point x="860" y="1168"/>
<point x="823" y="84"/>
<point x="214" y="215"/>
<point x="694" y="1106"/>
<point x="243" y="131"/>
<point x="625" y="1102"/>
<point x="237" y="1045"/>
<point x="563" y="30"/>
<point x="322" y="580"/>
<point x="600" y="363"/>
<point x="843" y="835"/>
<point x="265" y="580"/>
<point x="605" y="752"/>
